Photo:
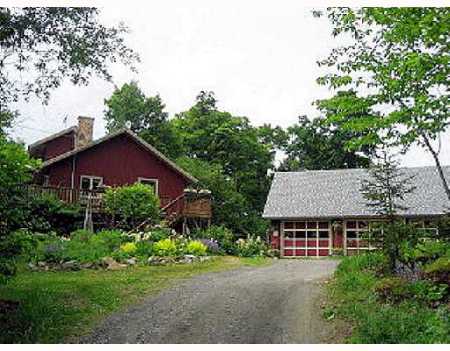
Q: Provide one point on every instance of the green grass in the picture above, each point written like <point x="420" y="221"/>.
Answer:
<point x="352" y="298"/>
<point x="59" y="306"/>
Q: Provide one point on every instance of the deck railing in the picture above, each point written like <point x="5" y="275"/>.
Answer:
<point x="174" y="207"/>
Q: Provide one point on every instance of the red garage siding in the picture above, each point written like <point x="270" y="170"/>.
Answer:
<point x="119" y="161"/>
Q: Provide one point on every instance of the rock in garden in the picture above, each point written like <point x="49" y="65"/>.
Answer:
<point x="112" y="265"/>
<point x="131" y="261"/>
<point x="70" y="266"/>
<point x="87" y="265"/>
<point x="41" y="264"/>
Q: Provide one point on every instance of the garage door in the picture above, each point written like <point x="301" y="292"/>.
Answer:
<point x="305" y="238"/>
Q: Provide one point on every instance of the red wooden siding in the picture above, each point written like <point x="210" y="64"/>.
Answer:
<point x="55" y="147"/>
<point x="119" y="161"/>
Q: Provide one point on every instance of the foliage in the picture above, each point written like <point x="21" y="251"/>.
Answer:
<point x="81" y="235"/>
<point x="385" y="192"/>
<point x="17" y="169"/>
<point x="354" y="296"/>
<point x="80" y="48"/>
<point x="144" y="249"/>
<point x="82" y="247"/>
<point x="195" y="247"/>
<point x="243" y="152"/>
<point x="45" y="212"/>
<point x="392" y="289"/>
<point x="229" y="207"/>
<point x="251" y="247"/>
<point x="211" y="245"/>
<point x="145" y="116"/>
<point x="315" y="144"/>
<point x="128" y="248"/>
<point x="398" y="58"/>
<point x="165" y="247"/>
<point x="426" y="250"/>
<point x="222" y="235"/>
<point x="132" y="204"/>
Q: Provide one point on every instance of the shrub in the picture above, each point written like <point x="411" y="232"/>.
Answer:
<point x="110" y="238"/>
<point x="157" y="234"/>
<point x="428" y="292"/>
<point x="196" y="247"/>
<point x="224" y="237"/>
<point x="81" y="235"/>
<point x="25" y="241"/>
<point x="131" y="205"/>
<point x="46" y="212"/>
<point x="144" y="249"/>
<point x="129" y="248"/>
<point x="212" y="245"/>
<point x="251" y="247"/>
<point x="165" y="247"/>
<point x="392" y="289"/>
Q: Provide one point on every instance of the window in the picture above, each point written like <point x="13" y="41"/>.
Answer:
<point x="90" y="182"/>
<point x="153" y="183"/>
<point x="358" y="235"/>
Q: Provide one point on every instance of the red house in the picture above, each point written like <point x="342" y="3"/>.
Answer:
<point x="73" y="160"/>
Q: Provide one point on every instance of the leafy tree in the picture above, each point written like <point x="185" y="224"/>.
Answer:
<point x="51" y="44"/>
<point x="398" y="59"/>
<point x="314" y="144"/>
<point x="218" y="137"/>
<point x="385" y="192"/>
<point x="145" y="116"/>
<point x="230" y="208"/>
<point x="16" y="168"/>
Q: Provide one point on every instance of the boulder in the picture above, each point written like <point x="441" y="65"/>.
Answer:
<point x="70" y="266"/>
<point x="111" y="264"/>
<point x="131" y="261"/>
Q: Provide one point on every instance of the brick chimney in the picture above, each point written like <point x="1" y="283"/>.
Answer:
<point x="85" y="131"/>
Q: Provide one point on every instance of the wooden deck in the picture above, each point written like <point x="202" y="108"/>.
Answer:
<point x="186" y="205"/>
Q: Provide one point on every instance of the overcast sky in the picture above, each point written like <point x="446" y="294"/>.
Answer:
<point x="259" y="60"/>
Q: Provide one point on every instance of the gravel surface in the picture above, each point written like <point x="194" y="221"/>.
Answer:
<point x="271" y="304"/>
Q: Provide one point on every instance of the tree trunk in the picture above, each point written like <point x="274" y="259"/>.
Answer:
<point x="438" y="165"/>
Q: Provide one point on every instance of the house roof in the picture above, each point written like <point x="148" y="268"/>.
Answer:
<point x="53" y="136"/>
<point x="128" y="132"/>
<point x="336" y="194"/>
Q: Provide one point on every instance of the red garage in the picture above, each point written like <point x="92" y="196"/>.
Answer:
<point x="318" y="213"/>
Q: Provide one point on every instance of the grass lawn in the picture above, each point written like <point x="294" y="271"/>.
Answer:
<point x="59" y="306"/>
<point x="370" y="321"/>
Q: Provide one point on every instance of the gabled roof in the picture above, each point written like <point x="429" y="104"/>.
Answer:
<point x="53" y="136"/>
<point x="128" y="132"/>
<point x="336" y="194"/>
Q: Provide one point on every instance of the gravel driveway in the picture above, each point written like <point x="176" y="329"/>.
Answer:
<point x="271" y="304"/>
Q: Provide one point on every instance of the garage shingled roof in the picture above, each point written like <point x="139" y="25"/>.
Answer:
<point x="336" y="194"/>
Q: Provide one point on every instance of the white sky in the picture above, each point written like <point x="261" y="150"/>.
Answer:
<point x="260" y="60"/>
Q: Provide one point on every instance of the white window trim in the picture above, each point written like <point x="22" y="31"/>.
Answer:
<point x="357" y="229"/>
<point x="153" y="180"/>
<point x="306" y="247"/>
<point x="90" y="177"/>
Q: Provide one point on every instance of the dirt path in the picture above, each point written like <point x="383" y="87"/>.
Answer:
<point x="272" y="304"/>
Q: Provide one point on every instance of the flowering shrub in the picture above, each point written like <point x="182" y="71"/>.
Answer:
<point x="251" y="247"/>
<point x="196" y="247"/>
<point x="165" y="247"/>
<point x="128" y="248"/>
<point x="222" y="235"/>
<point x="211" y="244"/>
